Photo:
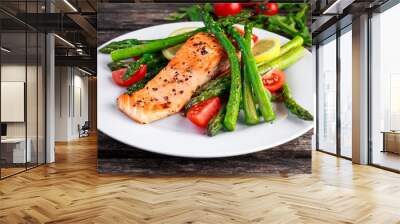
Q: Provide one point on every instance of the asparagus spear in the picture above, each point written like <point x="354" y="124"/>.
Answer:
<point x="133" y="67"/>
<point x="121" y="44"/>
<point x="282" y="62"/>
<point x="152" y="46"/>
<point x="232" y="108"/>
<point x="216" y="124"/>
<point x="249" y="107"/>
<point x="297" y="41"/>
<point x="118" y="65"/>
<point x="263" y="99"/>
<point x="138" y="85"/>
<point x="293" y="106"/>
<point x="226" y="79"/>
<point x="293" y="43"/>
<point x="219" y="87"/>
<point x="153" y="68"/>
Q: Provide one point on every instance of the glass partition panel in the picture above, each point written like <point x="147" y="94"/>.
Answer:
<point x="346" y="93"/>
<point x="385" y="89"/>
<point x="14" y="145"/>
<point x="32" y="87"/>
<point x="22" y="63"/>
<point x="327" y="96"/>
<point x="32" y="98"/>
<point x="41" y="79"/>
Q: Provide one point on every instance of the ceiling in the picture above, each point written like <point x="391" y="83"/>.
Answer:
<point x="34" y="6"/>
<point x="330" y="15"/>
<point x="74" y="22"/>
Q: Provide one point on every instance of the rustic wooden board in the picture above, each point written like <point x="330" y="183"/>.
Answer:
<point x="114" y="157"/>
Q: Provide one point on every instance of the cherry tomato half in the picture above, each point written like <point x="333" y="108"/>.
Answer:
<point x="273" y="80"/>
<point x="227" y="9"/>
<point x="139" y="75"/>
<point x="268" y="9"/>
<point x="200" y="114"/>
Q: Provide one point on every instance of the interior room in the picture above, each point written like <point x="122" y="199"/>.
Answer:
<point x="23" y="96"/>
<point x="334" y="69"/>
<point x="30" y="96"/>
<point x="51" y="143"/>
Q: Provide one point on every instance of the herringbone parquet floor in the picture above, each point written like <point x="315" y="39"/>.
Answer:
<point x="70" y="191"/>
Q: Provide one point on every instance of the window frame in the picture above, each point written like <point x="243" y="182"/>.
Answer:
<point x="29" y="29"/>
<point x="381" y="9"/>
<point x="334" y="37"/>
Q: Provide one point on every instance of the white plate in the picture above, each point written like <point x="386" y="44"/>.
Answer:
<point x="176" y="136"/>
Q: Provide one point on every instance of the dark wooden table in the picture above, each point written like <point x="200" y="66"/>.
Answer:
<point x="293" y="157"/>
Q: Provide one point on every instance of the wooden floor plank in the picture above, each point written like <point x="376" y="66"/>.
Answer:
<point x="71" y="191"/>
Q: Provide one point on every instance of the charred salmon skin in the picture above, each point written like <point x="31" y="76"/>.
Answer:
<point x="195" y="63"/>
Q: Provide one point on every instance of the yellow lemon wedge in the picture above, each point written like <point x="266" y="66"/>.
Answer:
<point x="266" y="49"/>
<point x="169" y="53"/>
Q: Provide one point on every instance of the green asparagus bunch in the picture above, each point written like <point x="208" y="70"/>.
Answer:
<point x="291" y="52"/>
<point x="263" y="99"/>
<point x="223" y="83"/>
<point x="232" y="107"/>
<point x="249" y="105"/>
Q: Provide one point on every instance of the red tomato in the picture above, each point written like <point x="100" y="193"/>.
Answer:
<point x="273" y="80"/>
<point x="268" y="9"/>
<point x="118" y="74"/>
<point x="200" y="114"/>
<point x="136" y="58"/>
<point x="253" y="36"/>
<point x="227" y="9"/>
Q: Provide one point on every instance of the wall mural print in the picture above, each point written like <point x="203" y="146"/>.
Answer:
<point x="204" y="89"/>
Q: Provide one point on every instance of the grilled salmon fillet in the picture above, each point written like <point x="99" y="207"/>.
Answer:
<point x="196" y="62"/>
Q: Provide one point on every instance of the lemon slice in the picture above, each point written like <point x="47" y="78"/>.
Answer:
<point x="266" y="49"/>
<point x="169" y="53"/>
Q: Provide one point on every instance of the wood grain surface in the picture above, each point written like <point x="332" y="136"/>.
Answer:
<point x="114" y="157"/>
<point x="71" y="191"/>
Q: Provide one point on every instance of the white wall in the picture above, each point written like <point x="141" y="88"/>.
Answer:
<point x="80" y="110"/>
<point x="34" y="124"/>
<point x="10" y="73"/>
<point x="71" y="102"/>
<point x="62" y="81"/>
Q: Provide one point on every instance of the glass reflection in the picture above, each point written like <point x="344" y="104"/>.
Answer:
<point x="327" y="96"/>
